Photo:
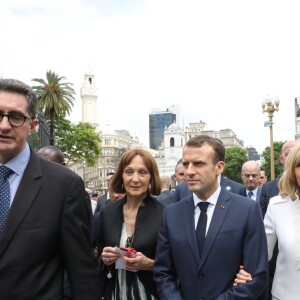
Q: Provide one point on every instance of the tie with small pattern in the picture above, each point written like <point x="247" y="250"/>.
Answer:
<point x="250" y="195"/>
<point x="201" y="226"/>
<point x="5" y="172"/>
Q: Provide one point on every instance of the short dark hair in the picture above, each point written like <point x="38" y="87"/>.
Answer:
<point x="19" y="87"/>
<point x="216" y="144"/>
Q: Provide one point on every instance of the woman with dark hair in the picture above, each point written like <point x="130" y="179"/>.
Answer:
<point x="131" y="222"/>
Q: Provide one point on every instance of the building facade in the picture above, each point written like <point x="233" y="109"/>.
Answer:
<point x="158" y="122"/>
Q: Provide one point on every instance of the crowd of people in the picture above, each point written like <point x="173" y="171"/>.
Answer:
<point x="210" y="238"/>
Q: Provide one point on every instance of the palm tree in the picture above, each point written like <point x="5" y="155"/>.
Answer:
<point x="55" y="98"/>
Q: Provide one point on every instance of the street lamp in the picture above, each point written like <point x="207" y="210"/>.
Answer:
<point x="269" y="106"/>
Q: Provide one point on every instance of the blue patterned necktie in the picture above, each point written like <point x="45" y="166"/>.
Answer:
<point x="5" y="172"/>
<point x="250" y="195"/>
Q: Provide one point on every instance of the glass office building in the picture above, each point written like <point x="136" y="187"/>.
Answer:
<point x="158" y="121"/>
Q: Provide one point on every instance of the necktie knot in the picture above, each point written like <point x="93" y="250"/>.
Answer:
<point x="203" y="206"/>
<point x="250" y="194"/>
<point x="5" y="172"/>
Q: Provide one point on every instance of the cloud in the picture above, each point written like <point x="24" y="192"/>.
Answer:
<point x="215" y="59"/>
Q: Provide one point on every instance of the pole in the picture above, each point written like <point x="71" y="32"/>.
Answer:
<point x="272" y="152"/>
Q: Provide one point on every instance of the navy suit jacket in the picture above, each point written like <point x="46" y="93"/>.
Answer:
<point x="268" y="190"/>
<point x="236" y="236"/>
<point x="182" y="191"/>
<point x="164" y="194"/>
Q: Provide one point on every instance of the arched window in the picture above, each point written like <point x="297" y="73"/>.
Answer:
<point x="172" y="142"/>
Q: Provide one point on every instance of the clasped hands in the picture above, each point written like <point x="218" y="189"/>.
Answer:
<point x="110" y="255"/>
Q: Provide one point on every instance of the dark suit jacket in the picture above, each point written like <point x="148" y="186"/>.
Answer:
<point x="47" y="229"/>
<point x="236" y="236"/>
<point x="145" y="234"/>
<point x="268" y="190"/>
<point x="164" y="194"/>
<point x="101" y="202"/>
<point x="182" y="191"/>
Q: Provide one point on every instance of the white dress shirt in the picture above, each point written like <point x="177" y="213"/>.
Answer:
<point x="210" y="209"/>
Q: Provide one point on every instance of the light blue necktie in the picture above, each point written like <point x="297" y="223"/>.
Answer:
<point x="5" y="172"/>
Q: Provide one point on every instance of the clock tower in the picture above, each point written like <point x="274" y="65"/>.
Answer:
<point x="89" y="96"/>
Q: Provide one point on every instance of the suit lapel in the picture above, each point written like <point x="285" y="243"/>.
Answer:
<point x="25" y="195"/>
<point x="188" y="214"/>
<point x="220" y="212"/>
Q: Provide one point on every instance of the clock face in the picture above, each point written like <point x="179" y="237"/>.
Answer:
<point x="91" y="90"/>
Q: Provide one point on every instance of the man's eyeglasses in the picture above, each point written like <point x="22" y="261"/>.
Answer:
<point x="250" y="175"/>
<point x="14" y="119"/>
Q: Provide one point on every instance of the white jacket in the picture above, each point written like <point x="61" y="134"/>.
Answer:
<point x="282" y="222"/>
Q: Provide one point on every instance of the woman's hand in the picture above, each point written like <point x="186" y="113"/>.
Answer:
<point x="140" y="262"/>
<point x="109" y="255"/>
<point x="242" y="277"/>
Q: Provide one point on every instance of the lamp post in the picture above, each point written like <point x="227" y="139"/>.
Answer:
<point x="269" y="106"/>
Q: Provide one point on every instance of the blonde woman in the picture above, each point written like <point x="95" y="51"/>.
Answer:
<point x="282" y="223"/>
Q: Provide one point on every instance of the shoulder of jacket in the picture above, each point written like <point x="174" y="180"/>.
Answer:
<point x="279" y="199"/>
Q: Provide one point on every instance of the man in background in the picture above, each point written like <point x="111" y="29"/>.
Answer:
<point x="166" y="187"/>
<point x="250" y="176"/>
<point x="105" y="196"/>
<point x="179" y="172"/>
<point x="262" y="178"/>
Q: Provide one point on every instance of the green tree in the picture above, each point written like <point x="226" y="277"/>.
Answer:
<point x="235" y="157"/>
<point x="266" y="165"/>
<point x="79" y="143"/>
<point x="55" y="97"/>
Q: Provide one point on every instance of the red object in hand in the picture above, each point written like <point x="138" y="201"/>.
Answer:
<point x="130" y="252"/>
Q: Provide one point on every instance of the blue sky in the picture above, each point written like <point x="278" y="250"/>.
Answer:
<point x="216" y="59"/>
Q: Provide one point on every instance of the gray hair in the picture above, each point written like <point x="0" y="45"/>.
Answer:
<point x="19" y="87"/>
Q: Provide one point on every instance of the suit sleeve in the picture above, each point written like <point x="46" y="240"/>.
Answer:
<point x="164" y="270"/>
<point x="75" y="241"/>
<point x="255" y="259"/>
<point x="263" y="201"/>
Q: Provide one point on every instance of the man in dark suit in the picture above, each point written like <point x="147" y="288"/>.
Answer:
<point x="166" y="188"/>
<point x="47" y="223"/>
<point x="200" y="259"/>
<point x="182" y="191"/>
<point x="102" y="199"/>
<point x="250" y="175"/>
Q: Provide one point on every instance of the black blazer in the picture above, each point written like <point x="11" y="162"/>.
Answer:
<point x="145" y="234"/>
<point x="47" y="229"/>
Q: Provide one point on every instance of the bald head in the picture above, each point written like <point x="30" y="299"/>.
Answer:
<point x="51" y="153"/>
<point x="165" y="182"/>
<point x="286" y="149"/>
<point x="250" y="174"/>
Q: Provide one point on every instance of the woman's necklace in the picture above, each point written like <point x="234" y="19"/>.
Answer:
<point x="129" y="227"/>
